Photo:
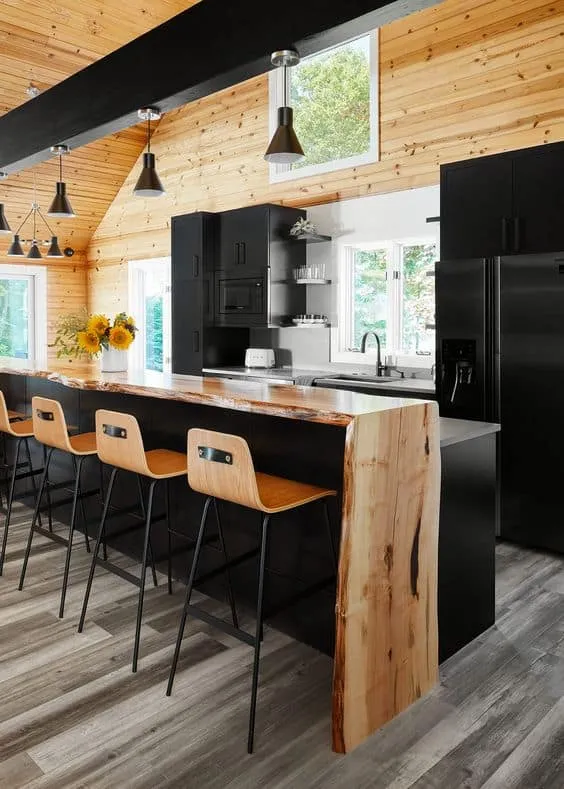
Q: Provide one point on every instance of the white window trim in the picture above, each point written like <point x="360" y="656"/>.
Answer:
<point x="341" y="336"/>
<point x="136" y="271"/>
<point x="38" y="319"/>
<point x="284" y="172"/>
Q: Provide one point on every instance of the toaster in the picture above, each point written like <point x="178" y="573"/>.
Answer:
<point x="259" y="357"/>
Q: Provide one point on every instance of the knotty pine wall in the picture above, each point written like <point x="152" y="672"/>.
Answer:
<point x="464" y="78"/>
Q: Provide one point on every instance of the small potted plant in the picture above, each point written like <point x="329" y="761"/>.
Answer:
<point x="302" y="227"/>
<point x="82" y="334"/>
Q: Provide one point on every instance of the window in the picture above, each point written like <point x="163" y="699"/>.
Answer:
<point x="335" y="99"/>
<point x="23" y="307"/>
<point x="389" y="288"/>
<point x="149" y="303"/>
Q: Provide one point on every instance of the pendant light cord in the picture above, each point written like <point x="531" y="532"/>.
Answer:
<point x="286" y="104"/>
<point x="60" y="167"/>
<point x="149" y="134"/>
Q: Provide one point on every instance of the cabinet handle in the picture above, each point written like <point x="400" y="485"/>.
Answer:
<point x="196" y="265"/>
<point x="244" y="251"/>
<point x="516" y="234"/>
<point x="505" y="234"/>
<point x="196" y="341"/>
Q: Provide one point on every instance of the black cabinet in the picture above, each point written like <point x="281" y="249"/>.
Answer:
<point x="538" y="197"/>
<point x="191" y="272"/>
<point x="507" y="204"/>
<point x="196" y="343"/>
<point x="476" y="206"/>
<point x="244" y="239"/>
<point x="254" y="280"/>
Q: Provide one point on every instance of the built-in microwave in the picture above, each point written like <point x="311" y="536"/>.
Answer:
<point x="242" y="300"/>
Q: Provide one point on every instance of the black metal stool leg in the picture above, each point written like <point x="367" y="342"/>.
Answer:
<point x="75" y="499"/>
<point x="9" y="504"/>
<point x="260" y="600"/>
<point x="227" y="572"/>
<point x="149" y="512"/>
<point x="169" y="535"/>
<point x="82" y="507"/>
<point x="32" y="477"/>
<point x="48" y="492"/>
<point x="97" y="548"/>
<point x="35" y="514"/>
<point x="193" y="569"/>
<point x="102" y="496"/>
<point x="331" y="536"/>
<point x="144" y="513"/>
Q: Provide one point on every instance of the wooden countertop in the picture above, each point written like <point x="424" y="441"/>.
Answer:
<point x="329" y="406"/>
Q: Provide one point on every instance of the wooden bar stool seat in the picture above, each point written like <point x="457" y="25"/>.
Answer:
<point x="120" y="445"/>
<point x="51" y="430"/>
<point x="14" y="425"/>
<point x="220" y="466"/>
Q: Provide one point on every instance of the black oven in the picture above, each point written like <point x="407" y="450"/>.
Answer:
<point x="242" y="300"/>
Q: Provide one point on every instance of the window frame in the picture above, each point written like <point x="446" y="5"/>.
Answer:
<point x="284" y="172"/>
<point x="137" y="273"/>
<point x="37" y="318"/>
<point x="342" y="339"/>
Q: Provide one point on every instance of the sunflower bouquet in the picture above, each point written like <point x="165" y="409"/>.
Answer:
<point x="82" y="333"/>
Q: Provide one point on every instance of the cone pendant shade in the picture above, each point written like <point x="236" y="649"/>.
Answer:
<point x="15" y="249"/>
<point x="284" y="147"/>
<point x="54" y="249"/>
<point x="4" y="226"/>
<point x="34" y="253"/>
<point x="148" y="184"/>
<point x="61" y="207"/>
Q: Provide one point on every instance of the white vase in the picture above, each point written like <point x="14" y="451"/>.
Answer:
<point x="113" y="360"/>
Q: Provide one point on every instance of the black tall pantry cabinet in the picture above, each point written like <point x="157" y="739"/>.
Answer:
<point x="196" y="343"/>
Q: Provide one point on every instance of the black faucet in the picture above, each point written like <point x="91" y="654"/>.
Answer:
<point x="380" y="369"/>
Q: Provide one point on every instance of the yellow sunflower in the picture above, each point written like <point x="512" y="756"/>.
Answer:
<point x="120" y="338"/>
<point x="88" y="341"/>
<point x="97" y="324"/>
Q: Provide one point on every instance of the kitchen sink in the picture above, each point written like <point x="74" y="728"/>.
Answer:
<point x="366" y="377"/>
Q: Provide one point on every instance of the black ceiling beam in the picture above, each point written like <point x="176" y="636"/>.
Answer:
<point x="202" y="50"/>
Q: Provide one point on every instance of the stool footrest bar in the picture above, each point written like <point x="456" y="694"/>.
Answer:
<point x="236" y="632"/>
<point x="116" y="570"/>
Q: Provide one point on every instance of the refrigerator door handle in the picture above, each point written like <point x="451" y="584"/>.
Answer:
<point x="505" y="234"/>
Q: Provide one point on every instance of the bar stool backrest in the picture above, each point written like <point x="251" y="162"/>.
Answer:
<point x="49" y="424"/>
<point x="119" y="442"/>
<point x="5" y="426"/>
<point x="220" y="465"/>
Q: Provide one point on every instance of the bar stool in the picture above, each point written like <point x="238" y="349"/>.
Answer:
<point x="14" y="425"/>
<point x="221" y="467"/>
<point x="50" y="429"/>
<point x="120" y="445"/>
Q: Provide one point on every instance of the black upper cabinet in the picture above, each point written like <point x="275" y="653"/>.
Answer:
<point x="243" y="239"/>
<point x="506" y="204"/>
<point x="476" y="206"/>
<point x="538" y="194"/>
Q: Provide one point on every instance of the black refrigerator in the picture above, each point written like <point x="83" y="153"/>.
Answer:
<point x="500" y="358"/>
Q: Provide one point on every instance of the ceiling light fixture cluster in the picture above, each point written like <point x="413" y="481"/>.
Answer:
<point x="60" y="208"/>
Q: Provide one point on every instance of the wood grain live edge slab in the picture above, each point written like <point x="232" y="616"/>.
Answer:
<point x="386" y="646"/>
<point x="313" y="404"/>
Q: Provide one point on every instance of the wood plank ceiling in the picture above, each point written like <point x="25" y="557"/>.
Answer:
<point x="44" y="44"/>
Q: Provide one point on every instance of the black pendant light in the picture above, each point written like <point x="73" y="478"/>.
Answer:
<point x="285" y="147"/>
<point x="61" y="207"/>
<point x="4" y="226"/>
<point x="15" y="250"/>
<point x="148" y="184"/>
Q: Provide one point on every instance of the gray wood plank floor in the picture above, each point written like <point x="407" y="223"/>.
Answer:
<point x="73" y="715"/>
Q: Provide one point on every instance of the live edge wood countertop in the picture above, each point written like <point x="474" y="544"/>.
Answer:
<point x="314" y="404"/>
<point x="386" y="622"/>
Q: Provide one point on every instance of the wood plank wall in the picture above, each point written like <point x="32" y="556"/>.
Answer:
<point x="461" y="79"/>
